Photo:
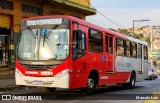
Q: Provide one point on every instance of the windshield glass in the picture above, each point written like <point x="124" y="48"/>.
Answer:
<point x="43" y="43"/>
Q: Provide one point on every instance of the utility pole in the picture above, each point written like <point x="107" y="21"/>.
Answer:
<point x="139" y="21"/>
<point x="151" y="47"/>
<point x="152" y="28"/>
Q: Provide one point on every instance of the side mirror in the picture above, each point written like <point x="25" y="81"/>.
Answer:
<point x="79" y="34"/>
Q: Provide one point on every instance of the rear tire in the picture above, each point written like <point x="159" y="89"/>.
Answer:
<point x="51" y="89"/>
<point x="131" y="83"/>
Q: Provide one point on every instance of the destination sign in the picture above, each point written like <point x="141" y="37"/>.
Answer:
<point x="55" y="21"/>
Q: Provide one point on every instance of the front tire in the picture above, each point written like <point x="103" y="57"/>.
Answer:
<point x="91" y="85"/>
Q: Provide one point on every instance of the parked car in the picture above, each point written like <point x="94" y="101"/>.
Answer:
<point x="151" y="74"/>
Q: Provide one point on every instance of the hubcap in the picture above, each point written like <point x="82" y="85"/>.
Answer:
<point x="90" y="83"/>
<point x="133" y="82"/>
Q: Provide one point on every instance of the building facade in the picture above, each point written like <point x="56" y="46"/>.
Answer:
<point x="13" y="11"/>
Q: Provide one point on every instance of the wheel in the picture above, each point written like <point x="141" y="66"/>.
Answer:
<point x="131" y="83"/>
<point x="91" y="85"/>
<point x="51" y="89"/>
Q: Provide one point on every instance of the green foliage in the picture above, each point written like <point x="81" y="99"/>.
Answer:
<point x="124" y="31"/>
<point x="138" y="36"/>
<point x="147" y="39"/>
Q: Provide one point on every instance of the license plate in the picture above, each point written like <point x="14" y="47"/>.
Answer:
<point x="37" y="82"/>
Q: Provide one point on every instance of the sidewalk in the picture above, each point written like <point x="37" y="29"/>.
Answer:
<point x="7" y="84"/>
<point x="6" y="73"/>
<point x="7" y="79"/>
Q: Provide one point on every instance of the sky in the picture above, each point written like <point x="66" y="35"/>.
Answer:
<point x="123" y="12"/>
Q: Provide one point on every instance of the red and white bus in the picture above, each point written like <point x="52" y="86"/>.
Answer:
<point x="66" y="52"/>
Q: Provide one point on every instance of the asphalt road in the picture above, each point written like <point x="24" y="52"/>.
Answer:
<point x="112" y="94"/>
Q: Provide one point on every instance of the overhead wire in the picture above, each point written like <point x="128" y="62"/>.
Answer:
<point x="105" y="16"/>
<point x="59" y="6"/>
<point x="97" y="21"/>
<point x="139" y="24"/>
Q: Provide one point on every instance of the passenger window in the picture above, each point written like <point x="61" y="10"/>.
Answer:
<point x="120" y="46"/>
<point x="95" y="41"/>
<point x="134" y="50"/>
<point x="127" y="48"/>
<point x="145" y="53"/>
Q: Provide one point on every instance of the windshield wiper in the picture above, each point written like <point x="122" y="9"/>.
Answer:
<point x="37" y="40"/>
<point x="49" y="33"/>
<point x="31" y="32"/>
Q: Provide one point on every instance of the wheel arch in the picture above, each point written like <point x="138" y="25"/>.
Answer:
<point x="133" y="73"/>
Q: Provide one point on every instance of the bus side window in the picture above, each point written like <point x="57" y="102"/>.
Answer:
<point x="145" y="52"/>
<point x="134" y="50"/>
<point x="95" y="41"/>
<point x="120" y="46"/>
<point x="127" y="48"/>
<point x="79" y="46"/>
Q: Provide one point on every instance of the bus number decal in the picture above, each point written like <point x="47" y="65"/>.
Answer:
<point x="46" y="73"/>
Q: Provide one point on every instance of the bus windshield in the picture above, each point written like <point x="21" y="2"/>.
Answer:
<point x="51" y="43"/>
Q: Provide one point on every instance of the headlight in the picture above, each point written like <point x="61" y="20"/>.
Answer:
<point x="62" y="73"/>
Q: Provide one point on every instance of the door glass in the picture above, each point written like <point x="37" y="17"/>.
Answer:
<point x="111" y="45"/>
<point x="140" y="51"/>
<point x="140" y="56"/>
<point x="107" y="44"/>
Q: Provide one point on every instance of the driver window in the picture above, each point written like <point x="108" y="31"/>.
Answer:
<point x="79" y="46"/>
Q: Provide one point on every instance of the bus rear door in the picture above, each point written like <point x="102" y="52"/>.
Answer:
<point x="140" y="59"/>
<point x="110" y="52"/>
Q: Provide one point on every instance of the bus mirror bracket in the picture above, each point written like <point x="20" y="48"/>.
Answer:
<point x="79" y="34"/>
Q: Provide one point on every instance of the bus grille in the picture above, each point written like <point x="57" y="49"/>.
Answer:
<point x="38" y="67"/>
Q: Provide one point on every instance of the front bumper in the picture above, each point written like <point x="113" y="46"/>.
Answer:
<point x="57" y="82"/>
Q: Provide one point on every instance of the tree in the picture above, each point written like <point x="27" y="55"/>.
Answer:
<point x="138" y="36"/>
<point x="124" y="31"/>
<point x="147" y="39"/>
